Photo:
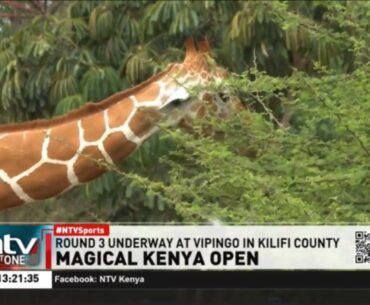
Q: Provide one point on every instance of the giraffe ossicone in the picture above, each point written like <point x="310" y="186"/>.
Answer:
<point x="44" y="158"/>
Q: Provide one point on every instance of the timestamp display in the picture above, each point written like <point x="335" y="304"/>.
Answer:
<point x="25" y="279"/>
<point x="19" y="277"/>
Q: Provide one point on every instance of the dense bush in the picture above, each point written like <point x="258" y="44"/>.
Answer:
<point x="300" y="153"/>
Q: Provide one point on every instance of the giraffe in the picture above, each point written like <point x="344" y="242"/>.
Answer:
<point x="44" y="158"/>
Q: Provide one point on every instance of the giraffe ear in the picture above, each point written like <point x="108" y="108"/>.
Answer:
<point x="203" y="45"/>
<point x="190" y="47"/>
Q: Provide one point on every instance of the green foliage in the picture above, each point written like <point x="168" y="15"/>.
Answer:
<point x="100" y="82"/>
<point x="317" y="170"/>
<point x="299" y="153"/>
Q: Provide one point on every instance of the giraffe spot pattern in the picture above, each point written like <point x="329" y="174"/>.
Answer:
<point x="110" y="134"/>
<point x="20" y="151"/>
<point x="143" y="120"/>
<point x="96" y="120"/>
<point x="52" y="179"/>
<point x="7" y="196"/>
<point x="118" y="146"/>
<point x="87" y="165"/>
<point x="148" y="94"/>
<point x="119" y="113"/>
<point x="64" y="142"/>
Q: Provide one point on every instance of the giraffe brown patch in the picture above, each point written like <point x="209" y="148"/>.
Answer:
<point x="118" y="114"/>
<point x="46" y="181"/>
<point x="118" y="146"/>
<point x="149" y="93"/>
<point x="143" y="121"/>
<point x="64" y="141"/>
<point x="93" y="126"/>
<point x="87" y="165"/>
<point x="20" y="150"/>
<point x="8" y="198"/>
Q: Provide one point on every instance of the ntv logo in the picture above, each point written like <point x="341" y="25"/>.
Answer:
<point x="9" y="254"/>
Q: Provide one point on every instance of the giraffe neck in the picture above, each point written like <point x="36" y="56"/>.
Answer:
<point x="41" y="163"/>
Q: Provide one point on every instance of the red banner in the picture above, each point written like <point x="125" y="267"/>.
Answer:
<point x="81" y="230"/>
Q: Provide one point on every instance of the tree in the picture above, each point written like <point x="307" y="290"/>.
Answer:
<point x="301" y="151"/>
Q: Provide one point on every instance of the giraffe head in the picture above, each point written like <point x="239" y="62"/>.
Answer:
<point x="184" y="88"/>
<point x="194" y="76"/>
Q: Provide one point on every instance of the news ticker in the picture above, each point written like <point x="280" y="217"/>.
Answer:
<point x="174" y="247"/>
<point x="156" y="279"/>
